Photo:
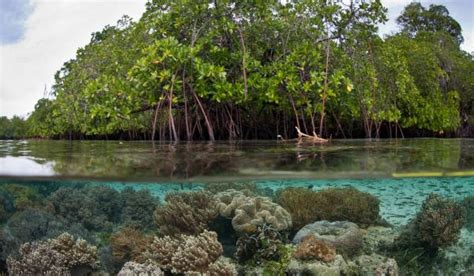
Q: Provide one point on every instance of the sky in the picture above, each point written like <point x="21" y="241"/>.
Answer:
<point x="38" y="36"/>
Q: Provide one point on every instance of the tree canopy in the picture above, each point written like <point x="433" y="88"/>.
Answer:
<point x="254" y="69"/>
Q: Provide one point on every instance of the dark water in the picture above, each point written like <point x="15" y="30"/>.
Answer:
<point x="96" y="189"/>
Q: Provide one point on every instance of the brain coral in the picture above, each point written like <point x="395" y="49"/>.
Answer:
<point x="248" y="213"/>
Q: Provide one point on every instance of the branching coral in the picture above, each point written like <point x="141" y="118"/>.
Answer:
<point x="128" y="244"/>
<point x="307" y="206"/>
<point x="437" y="225"/>
<point x="60" y="256"/>
<point x="311" y="248"/>
<point x="248" y="213"/>
<point x="24" y="196"/>
<point x="186" y="254"/>
<point x="32" y="224"/>
<point x="185" y="213"/>
<point x="97" y="208"/>
<point x="221" y="267"/>
<point x="138" y="208"/>
<point x="137" y="269"/>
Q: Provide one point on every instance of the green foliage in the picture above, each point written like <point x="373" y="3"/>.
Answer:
<point x="208" y="70"/>
<point x="416" y="18"/>
<point x="13" y="128"/>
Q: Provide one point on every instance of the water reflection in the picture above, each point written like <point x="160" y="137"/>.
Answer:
<point x="234" y="160"/>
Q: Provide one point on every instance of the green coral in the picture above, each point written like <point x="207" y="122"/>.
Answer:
<point x="279" y="267"/>
<point x="332" y="204"/>
<point x="468" y="204"/>
<point x="24" y="197"/>
<point x="97" y="208"/>
<point x="138" y="207"/>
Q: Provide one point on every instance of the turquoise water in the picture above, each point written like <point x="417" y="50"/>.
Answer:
<point x="110" y="193"/>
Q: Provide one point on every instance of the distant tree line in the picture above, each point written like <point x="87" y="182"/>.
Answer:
<point x="255" y="69"/>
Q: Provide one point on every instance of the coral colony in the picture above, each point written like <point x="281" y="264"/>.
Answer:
<point x="221" y="230"/>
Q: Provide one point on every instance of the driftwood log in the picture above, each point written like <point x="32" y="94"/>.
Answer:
<point x="303" y="137"/>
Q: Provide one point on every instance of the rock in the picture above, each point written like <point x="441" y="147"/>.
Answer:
<point x="374" y="265"/>
<point x="378" y="238"/>
<point x="345" y="236"/>
<point x="311" y="248"/>
<point x="334" y="268"/>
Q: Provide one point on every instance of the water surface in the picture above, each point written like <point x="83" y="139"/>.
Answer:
<point x="224" y="160"/>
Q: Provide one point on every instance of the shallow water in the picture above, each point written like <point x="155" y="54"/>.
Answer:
<point x="201" y="161"/>
<point x="36" y="178"/>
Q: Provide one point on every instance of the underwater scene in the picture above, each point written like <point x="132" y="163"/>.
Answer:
<point x="355" y="207"/>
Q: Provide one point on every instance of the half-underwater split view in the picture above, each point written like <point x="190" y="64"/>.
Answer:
<point x="236" y="137"/>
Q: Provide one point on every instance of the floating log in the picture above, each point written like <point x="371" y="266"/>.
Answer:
<point x="303" y="137"/>
<point x="310" y="138"/>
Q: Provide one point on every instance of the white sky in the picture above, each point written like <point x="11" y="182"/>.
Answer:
<point x="57" y="28"/>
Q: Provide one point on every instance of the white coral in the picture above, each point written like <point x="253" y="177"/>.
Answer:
<point x="136" y="269"/>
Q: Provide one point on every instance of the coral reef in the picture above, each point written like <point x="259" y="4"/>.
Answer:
<point x="437" y="225"/>
<point x="374" y="264"/>
<point x="468" y="204"/>
<point x="7" y="205"/>
<point x="24" y="197"/>
<point x="248" y="213"/>
<point x="97" y="208"/>
<point x="337" y="267"/>
<point x="221" y="267"/>
<point x="186" y="254"/>
<point x="185" y="213"/>
<point x="137" y="269"/>
<point x="378" y="239"/>
<point x="307" y="206"/>
<point x="265" y="244"/>
<point x="138" y="208"/>
<point x="310" y="248"/>
<point x="345" y="236"/>
<point x="30" y="225"/>
<point x="63" y="255"/>
<point x="128" y="244"/>
<point x="248" y="188"/>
